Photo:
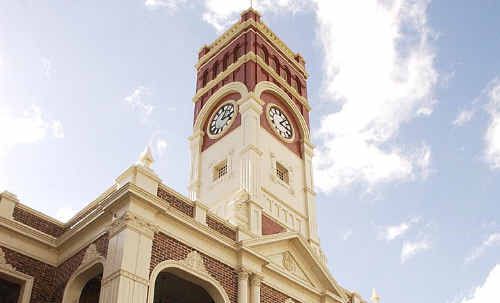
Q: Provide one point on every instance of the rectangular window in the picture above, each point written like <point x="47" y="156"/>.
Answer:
<point x="220" y="170"/>
<point x="282" y="173"/>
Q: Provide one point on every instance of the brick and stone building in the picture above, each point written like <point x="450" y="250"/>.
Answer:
<point x="247" y="233"/>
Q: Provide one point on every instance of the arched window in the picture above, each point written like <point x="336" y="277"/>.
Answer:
<point x="275" y="64"/>
<point x="262" y="52"/>
<point x="205" y="78"/>
<point x="215" y="70"/>
<point x="84" y="286"/>
<point x="225" y="61"/>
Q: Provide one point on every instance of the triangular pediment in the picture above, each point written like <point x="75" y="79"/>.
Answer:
<point x="291" y="255"/>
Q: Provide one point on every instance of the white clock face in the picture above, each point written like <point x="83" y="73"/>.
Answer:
<point x="221" y="119"/>
<point x="280" y="122"/>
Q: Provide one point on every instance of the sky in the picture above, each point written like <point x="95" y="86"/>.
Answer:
<point x="405" y="98"/>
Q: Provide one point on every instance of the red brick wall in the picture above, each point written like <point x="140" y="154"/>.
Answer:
<point x="49" y="281"/>
<point x="221" y="228"/>
<point x="270" y="227"/>
<point x="37" y="223"/>
<point x="175" y="202"/>
<point x="167" y="248"/>
<point x="271" y="295"/>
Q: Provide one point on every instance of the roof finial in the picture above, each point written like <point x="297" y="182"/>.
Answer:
<point x="375" y="297"/>
<point x="146" y="158"/>
<point x="251" y="3"/>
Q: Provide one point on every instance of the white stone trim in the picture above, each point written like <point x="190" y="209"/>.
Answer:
<point x="11" y="273"/>
<point x="192" y="269"/>
<point x="80" y="277"/>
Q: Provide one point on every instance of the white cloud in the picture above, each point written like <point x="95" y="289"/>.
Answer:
<point x="490" y="241"/>
<point x="160" y="146"/>
<point x="222" y="13"/>
<point x="412" y="248"/>
<point x="346" y="235"/>
<point x="392" y="232"/>
<point x="381" y="73"/>
<point x="492" y="137"/>
<point x="463" y="117"/>
<point x="47" y="67"/>
<point x="136" y="100"/>
<point x="489" y="292"/>
<point x="30" y="127"/>
<point x="168" y="4"/>
<point x="63" y="214"/>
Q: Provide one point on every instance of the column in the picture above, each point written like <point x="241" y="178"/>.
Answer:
<point x="126" y="272"/>
<point x="195" y="142"/>
<point x="255" y="288"/>
<point x="312" y="227"/>
<point x="243" y="286"/>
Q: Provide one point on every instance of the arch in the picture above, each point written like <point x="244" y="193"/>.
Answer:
<point x="24" y="282"/>
<point x="79" y="279"/>
<point x="264" y="86"/>
<point x="237" y="87"/>
<point x="198" y="277"/>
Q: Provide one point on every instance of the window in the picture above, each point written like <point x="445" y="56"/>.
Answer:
<point x="220" y="170"/>
<point x="282" y="173"/>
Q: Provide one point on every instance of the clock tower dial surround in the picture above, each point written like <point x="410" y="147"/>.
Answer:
<point x="251" y="154"/>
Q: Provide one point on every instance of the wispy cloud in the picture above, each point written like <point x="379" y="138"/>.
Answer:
<point x="222" y="13"/>
<point x="463" y="117"/>
<point x="411" y="248"/>
<point x="346" y="235"/>
<point x="160" y="146"/>
<point x="492" y="136"/>
<point x="167" y="4"/>
<point x="63" y="214"/>
<point x="489" y="291"/>
<point x="393" y="232"/>
<point x="490" y="241"/>
<point x="47" y="67"/>
<point x="137" y="101"/>
<point x="390" y="56"/>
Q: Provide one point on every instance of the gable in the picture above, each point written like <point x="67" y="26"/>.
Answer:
<point x="290" y="255"/>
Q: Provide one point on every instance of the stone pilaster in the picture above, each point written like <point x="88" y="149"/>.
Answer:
<point x="126" y="272"/>
<point x="195" y="142"/>
<point x="243" y="286"/>
<point x="8" y="202"/>
<point x="255" y="283"/>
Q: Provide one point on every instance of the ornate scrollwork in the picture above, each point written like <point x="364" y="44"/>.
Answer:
<point x="3" y="262"/>
<point x="195" y="262"/>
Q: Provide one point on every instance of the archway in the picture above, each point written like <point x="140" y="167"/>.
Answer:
<point x="170" y="288"/>
<point x="185" y="281"/>
<point x="9" y="291"/>
<point x="84" y="286"/>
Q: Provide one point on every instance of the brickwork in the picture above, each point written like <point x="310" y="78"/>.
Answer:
<point x="167" y="248"/>
<point x="221" y="228"/>
<point x="271" y="295"/>
<point x="49" y="281"/>
<point x="270" y="227"/>
<point x="175" y="202"/>
<point x="37" y="223"/>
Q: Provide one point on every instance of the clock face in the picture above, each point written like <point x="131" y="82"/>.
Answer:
<point x="221" y="119"/>
<point x="280" y="122"/>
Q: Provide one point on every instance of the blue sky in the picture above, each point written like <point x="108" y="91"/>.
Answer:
<point x="406" y="120"/>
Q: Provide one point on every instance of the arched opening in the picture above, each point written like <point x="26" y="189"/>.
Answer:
<point x="85" y="285"/>
<point x="170" y="288"/>
<point x="9" y="291"/>
<point x="91" y="291"/>
<point x="174" y="282"/>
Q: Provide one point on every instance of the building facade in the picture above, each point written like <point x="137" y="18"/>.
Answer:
<point x="247" y="233"/>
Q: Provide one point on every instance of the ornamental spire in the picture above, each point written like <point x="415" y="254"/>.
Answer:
<point x="146" y="158"/>
<point x="375" y="297"/>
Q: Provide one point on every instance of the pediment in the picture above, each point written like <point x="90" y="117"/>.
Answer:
<point x="291" y="255"/>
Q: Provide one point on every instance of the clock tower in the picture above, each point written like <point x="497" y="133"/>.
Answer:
<point x="251" y="148"/>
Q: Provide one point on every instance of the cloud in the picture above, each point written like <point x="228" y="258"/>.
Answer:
<point x="63" y="214"/>
<point x="160" y="146"/>
<point x="222" y="13"/>
<point x="380" y="74"/>
<point x="490" y="241"/>
<point x="168" y="4"/>
<point x="137" y="102"/>
<point x="47" y="67"/>
<point x="392" y="232"/>
<point x="488" y="292"/>
<point x="346" y="235"/>
<point x="463" y="117"/>
<point x="28" y="128"/>
<point x="492" y="136"/>
<point x="412" y="248"/>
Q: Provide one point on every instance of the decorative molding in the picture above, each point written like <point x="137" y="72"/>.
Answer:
<point x="3" y="262"/>
<point x="91" y="254"/>
<point x="194" y="261"/>
<point x="289" y="300"/>
<point x="132" y="221"/>
<point x="289" y="263"/>
<point x="237" y="29"/>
